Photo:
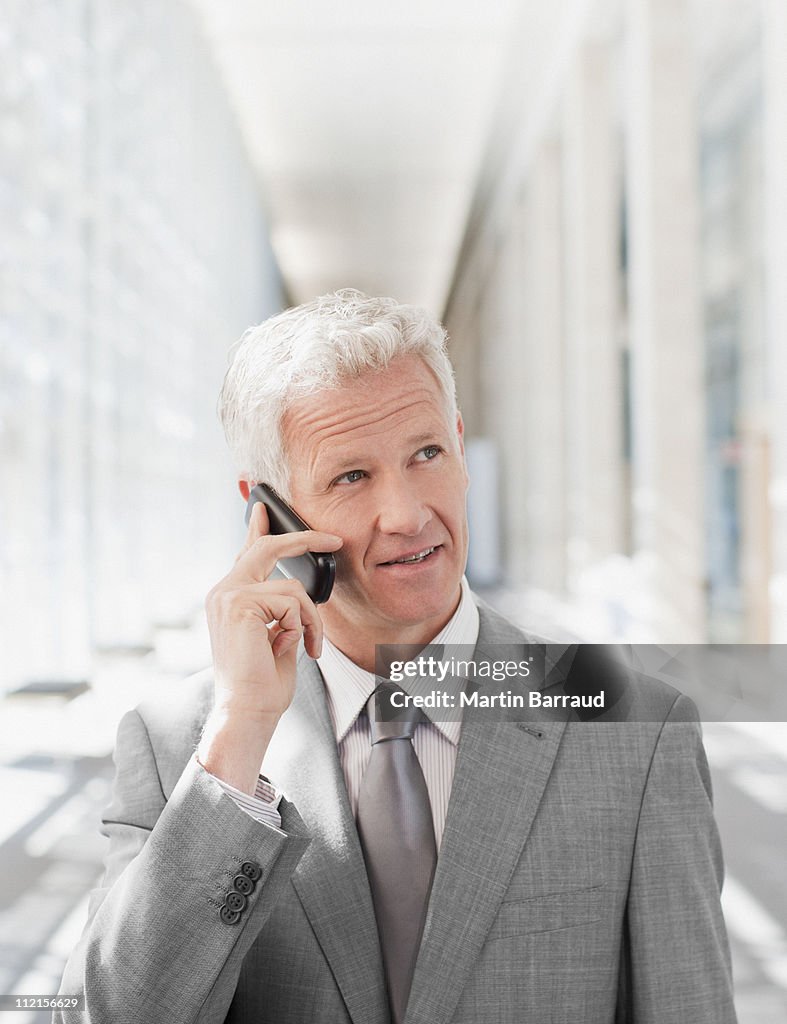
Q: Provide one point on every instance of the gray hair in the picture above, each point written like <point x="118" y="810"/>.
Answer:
<point x="313" y="347"/>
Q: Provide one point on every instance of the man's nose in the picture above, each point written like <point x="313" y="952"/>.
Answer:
<point x="402" y="509"/>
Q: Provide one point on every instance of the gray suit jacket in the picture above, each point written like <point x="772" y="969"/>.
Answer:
<point x="578" y="879"/>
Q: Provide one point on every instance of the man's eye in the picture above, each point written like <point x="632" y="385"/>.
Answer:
<point x="428" y="453"/>
<point x="350" y="478"/>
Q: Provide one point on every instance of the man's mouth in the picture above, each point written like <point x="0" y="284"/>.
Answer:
<point x="417" y="556"/>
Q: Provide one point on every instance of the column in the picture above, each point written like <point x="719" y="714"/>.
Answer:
<point x="507" y="391"/>
<point x="665" y="319"/>
<point x="594" y="418"/>
<point x="775" y="144"/>
<point x="543" y="398"/>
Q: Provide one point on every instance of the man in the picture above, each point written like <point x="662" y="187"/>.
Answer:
<point x="544" y="870"/>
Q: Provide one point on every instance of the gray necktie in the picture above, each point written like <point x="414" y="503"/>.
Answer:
<point x="397" y="835"/>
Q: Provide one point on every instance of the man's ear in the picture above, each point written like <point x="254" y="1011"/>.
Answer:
<point x="245" y="486"/>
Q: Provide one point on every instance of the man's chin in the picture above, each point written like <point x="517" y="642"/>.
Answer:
<point x="418" y="609"/>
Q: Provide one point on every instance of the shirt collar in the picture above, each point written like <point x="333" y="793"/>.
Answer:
<point x="348" y="687"/>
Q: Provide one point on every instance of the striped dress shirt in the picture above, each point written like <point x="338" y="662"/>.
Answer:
<point x="348" y="688"/>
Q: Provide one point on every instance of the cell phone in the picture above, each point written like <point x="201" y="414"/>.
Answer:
<point x="316" y="569"/>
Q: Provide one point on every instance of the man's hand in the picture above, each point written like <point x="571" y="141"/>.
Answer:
<point x="255" y="625"/>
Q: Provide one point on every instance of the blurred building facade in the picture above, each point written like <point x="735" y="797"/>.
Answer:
<point x="619" y="321"/>
<point x="134" y="251"/>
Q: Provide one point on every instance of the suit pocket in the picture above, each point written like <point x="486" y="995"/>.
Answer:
<point x="548" y="913"/>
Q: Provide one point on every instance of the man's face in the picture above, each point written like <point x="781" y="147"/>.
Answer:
<point x="377" y="463"/>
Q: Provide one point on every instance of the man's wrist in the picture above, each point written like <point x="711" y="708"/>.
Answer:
<point x="233" y="745"/>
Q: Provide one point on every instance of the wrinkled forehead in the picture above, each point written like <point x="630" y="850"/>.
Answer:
<point x="375" y="408"/>
<point x="370" y="395"/>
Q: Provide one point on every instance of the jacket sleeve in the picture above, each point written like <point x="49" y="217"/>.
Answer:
<point x="678" y="961"/>
<point x="156" y="946"/>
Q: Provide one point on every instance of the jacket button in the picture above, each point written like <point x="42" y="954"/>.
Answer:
<point x="229" y="916"/>
<point x="252" y="870"/>
<point x="235" y="900"/>
<point x="243" y="884"/>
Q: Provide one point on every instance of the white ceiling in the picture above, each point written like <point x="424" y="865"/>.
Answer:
<point x="379" y="131"/>
<point x="368" y="124"/>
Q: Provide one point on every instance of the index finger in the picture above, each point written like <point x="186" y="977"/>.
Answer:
<point x="260" y="558"/>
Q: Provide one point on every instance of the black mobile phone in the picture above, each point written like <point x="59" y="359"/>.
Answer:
<point x="316" y="569"/>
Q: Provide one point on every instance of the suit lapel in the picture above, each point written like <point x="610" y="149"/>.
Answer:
<point x="331" y="877"/>
<point x="501" y="772"/>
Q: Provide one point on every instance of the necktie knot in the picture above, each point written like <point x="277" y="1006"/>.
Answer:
<point x="387" y="721"/>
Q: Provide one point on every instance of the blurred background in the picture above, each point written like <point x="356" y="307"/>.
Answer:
<point x="592" y="194"/>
